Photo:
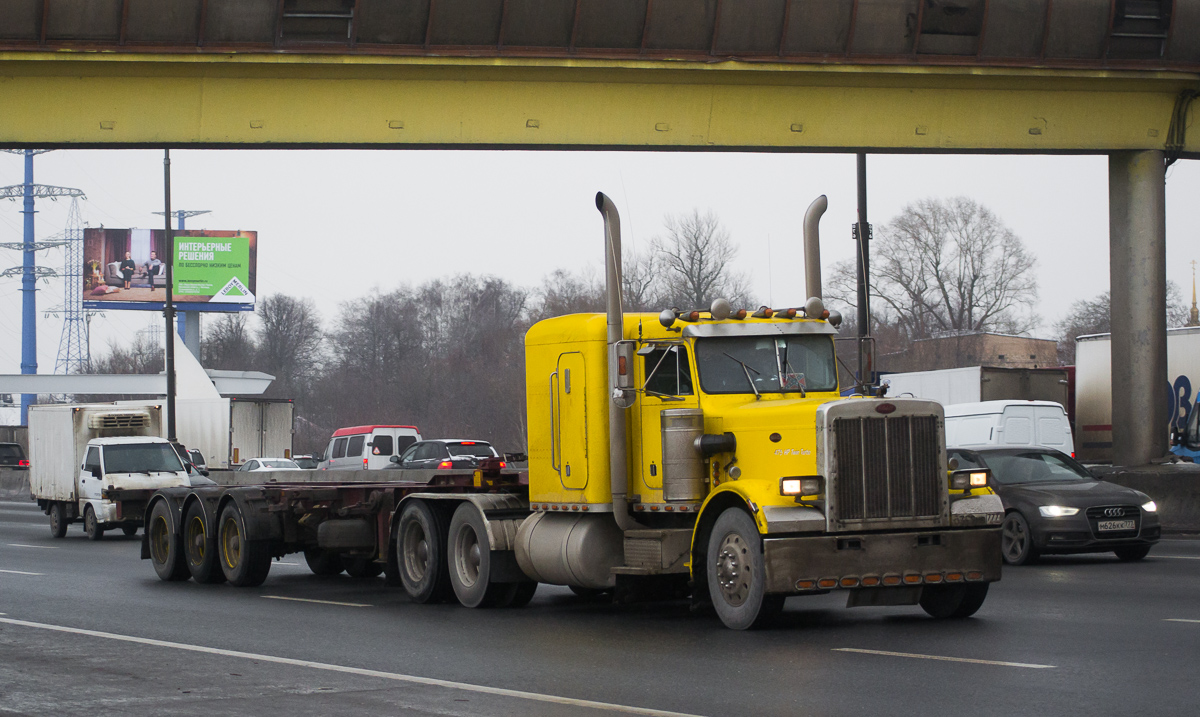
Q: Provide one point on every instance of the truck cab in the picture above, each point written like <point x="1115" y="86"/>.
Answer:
<point x="140" y="463"/>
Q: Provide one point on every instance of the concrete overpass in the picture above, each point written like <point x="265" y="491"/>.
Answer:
<point x="1019" y="76"/>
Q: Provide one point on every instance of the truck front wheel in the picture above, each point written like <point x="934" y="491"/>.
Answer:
<point x="91" y="526"/>
<point x="200" y="546"/>
<point x="58" y="520"/>
<point x="737" y="576"/>
<point x="244" y="562"/>
<point x="166" y="550"/>
<point x="421" y="553"/>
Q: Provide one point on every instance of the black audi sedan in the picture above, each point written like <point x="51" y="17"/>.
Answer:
<point x="1053" y="505"/>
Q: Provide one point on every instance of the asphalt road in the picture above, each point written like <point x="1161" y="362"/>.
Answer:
<point x="87" y="628"/>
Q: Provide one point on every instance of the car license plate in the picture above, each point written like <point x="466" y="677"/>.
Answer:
<point x="1109" y="525"/>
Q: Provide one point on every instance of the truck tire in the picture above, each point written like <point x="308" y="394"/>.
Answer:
<point x="953" y="601"/>
<point x="361" y="566"/>
<point x="524" y="593"/>
<point x="737" y="574"/>
<point x="421" y="553"/>
<point x="129" y="530"/>
<point x="91" y="526"/>
<point x="58" y="520"/>
<point x="323" y="562"/>
<point x="166" y="550"/>
<point x="470" y="561"/>
<point x="200" y="546"/>
<point x="245" y="563"/>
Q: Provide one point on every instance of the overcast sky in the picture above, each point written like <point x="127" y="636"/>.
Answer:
<point x="334" y="225"/>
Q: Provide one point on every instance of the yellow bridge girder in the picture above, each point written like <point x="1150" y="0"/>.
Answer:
<point x="98" y="99"/>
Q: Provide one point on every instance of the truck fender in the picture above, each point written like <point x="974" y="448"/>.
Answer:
<point x="502" y="513"/>
<point x="173" y="498"/>
<point x="727" y="495"/>
<point x="260" y="524"/>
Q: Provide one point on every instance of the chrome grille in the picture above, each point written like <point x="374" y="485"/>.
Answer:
<point x="887" y="468"/>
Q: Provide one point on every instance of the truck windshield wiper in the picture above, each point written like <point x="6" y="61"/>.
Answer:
<point x="747" y="370"/>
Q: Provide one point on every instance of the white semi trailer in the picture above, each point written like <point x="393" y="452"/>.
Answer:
<point x="1093" y="389"/>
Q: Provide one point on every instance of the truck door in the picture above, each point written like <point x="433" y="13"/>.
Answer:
<point x="571" y="408"/>
<point x="89" y="486"/>
<point x="667" y="377"/>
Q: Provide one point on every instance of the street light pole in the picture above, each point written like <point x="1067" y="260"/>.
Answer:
<point x="169" y="307"/>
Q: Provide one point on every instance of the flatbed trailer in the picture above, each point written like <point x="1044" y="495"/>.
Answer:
<point x="216" y="533"/>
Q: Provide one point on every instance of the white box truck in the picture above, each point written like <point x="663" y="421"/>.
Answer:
<point x="231" y="431"/>
<point x="1093" y="389"/>
<point x="79" y="452"/>
<point x="974" y="384"/>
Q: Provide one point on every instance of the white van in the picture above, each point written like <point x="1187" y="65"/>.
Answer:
<point x="1009" y="423"/>
<point x="367" y="448"/>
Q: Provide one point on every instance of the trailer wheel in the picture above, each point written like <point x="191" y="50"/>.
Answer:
<point x="470" y="561"/>
<point x="244" y="562"/>
<point x="736" y="573"/>
<point x="363" y="567"/>
<point x="166" y="550"/>
<point x="58" y="520"/>
<point x="323" y="562"/>
<point x="91" y="526"/>
<point x="421" y="553"/>
<point x="953" y="601"/>
<point x="200" y="546"/>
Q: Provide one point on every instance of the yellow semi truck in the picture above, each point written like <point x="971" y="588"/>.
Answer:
<point x="716" y="446"/>
<point x="703" y="453"/>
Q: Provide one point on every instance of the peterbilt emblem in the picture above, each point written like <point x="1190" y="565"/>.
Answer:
<point x="1114" y="512"/>
<point x="885" y="408"/>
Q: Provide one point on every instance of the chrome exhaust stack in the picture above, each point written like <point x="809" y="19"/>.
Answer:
<point x="618" y="470"/>
<point x="812" y="247"/>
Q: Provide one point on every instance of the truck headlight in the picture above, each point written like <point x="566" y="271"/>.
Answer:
<point x="964" y="479"/>
<point x="1150" y="506"/>
<point x="800" y="485"/>
<point x="1056" y="511"/>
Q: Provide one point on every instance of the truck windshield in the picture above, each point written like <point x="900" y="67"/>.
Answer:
<point x="141" y="458"/>
<point x="766" y="364"/>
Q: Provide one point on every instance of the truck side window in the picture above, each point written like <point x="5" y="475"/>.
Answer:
<point x="381" y="446"/>
<point x="355" y="446"/>
<point x="339" y="448"/>
<point x="667" y="371"/>
<point x="92" y="462"/>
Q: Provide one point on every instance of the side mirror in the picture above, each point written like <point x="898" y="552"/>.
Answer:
<point x="394" y="459"/>
<point x="204" y="472"/>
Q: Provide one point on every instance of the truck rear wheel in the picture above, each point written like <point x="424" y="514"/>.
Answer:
<point x="361" y="566"/>
<point x="523" y="594"/>
<point x="421" y="553"/>
<point x="166" y="550"/>
<point x="91" y="526"/>
<point x="245" y="563"/>
<point x="470" y="561"/>
<point x="737" y="575"/>
<point x="953" y="601"/>
<point x="58" y="520"/>
<point x="323" y="562"/>
<point x="200" y="546"/>
<point x="129" y="530"/>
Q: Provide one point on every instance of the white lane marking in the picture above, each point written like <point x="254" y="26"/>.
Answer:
<point x="1179" y="557"/>
<point x="20" y="572"/>
<point x="943" y="658"/>
<point x="22" y="545"/>
<point x="413" y="679"/>
<point x="1179" y="619"/>
<point x="322" y="602"/>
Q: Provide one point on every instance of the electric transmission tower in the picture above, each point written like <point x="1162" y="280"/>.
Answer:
<point x="74" y="348"/>
<point x="29" y="271"/>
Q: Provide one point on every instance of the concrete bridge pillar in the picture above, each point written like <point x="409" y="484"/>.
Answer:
<point x="1138" y="276"/>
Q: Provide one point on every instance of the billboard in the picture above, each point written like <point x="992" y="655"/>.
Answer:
<point x="213" y="270"/>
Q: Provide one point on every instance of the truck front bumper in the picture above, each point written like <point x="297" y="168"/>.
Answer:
<point x="826" y="562"/>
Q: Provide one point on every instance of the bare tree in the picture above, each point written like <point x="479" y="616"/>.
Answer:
<point x="1092" y="316"/>
<point x="144" y="355"/>
<point x="227" y="343"/>
<point x="563" y="292"/>
<point x="945" y="267"/>
<point x="694" y="259"/>
<point x="289" y="342"/>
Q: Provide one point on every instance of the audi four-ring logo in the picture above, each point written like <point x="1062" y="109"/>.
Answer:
<point x="1114" y="512"/>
